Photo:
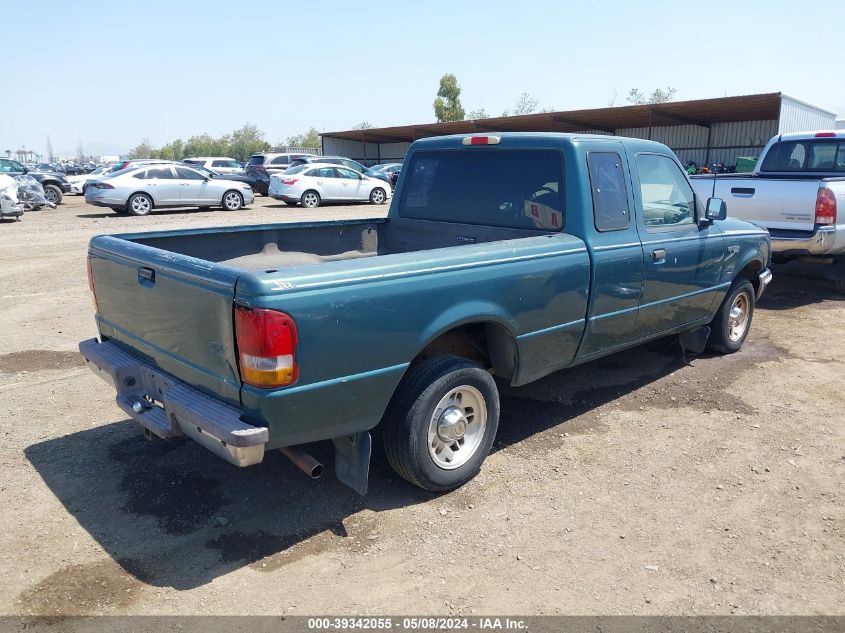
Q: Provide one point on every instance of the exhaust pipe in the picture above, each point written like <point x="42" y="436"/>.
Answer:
<point x="303" y="461"/>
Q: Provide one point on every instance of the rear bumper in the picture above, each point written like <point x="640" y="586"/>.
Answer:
<point x="170" y="408"/>
<point x="821" y="241"/>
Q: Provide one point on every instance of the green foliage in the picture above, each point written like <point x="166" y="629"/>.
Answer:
<point x="246" y="141"/>
<point x="311" y="138"/>
<point x="240" y="145"/>
<point x="635" y="97"/>
<point x="447" y="105"/>
<point x="143" y="150"/>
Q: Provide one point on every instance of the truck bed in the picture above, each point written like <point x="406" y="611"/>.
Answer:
<point x="270" y="248"/>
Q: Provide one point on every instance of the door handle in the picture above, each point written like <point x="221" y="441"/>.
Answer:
<point x="658" y="255"/>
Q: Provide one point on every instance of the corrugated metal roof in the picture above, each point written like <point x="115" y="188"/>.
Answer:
<point x="699" y="112"/>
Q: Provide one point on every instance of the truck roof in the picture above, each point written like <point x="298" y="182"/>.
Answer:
<point x="812" y="135"/>
<point x="560" y="137"/>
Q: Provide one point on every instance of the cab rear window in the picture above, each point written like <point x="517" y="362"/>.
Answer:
<point x="805" y="155"/>
<point x="521" y="189"/>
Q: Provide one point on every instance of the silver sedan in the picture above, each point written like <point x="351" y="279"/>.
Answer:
<point x="141" y="189"/>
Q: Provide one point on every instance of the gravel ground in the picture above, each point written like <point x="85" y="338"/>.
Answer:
<point x="638" y="484"/>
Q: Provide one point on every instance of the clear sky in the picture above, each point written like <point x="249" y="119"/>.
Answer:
<point x="114" y="72"/>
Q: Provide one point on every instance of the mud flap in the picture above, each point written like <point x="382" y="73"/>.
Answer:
<point x="352" y="460"/>
<point x="694" y="341"/>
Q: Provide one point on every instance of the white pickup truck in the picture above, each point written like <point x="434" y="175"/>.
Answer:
<point x="795" y="191"/>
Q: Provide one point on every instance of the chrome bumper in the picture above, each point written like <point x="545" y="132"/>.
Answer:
<point x="765" y="277"/>
<point x="169" y="408"/>
<point x="819" y="242"/>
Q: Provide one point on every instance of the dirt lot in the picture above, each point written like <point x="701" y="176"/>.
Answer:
<point x="637" y="484"/>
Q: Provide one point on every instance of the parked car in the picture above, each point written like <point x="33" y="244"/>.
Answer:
<point x="135" y="162"/>
<point x="314" y="183"/>
<point x="78" y="183"/>
<point x="384" y="171"/>
<point x="511" y="256"/>
<point x="260" y="166"/>
<point x="331" y="160"/>
<point x="140" y="190"/>
<point x="54" y="184"/>
<point x="220" y="164"/>
<point x="244" y="178"/>
<point x="796" y="191"/>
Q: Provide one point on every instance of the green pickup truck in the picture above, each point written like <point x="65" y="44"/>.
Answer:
<point x="512" y="255"/>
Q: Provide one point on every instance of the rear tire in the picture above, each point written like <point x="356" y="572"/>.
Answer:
<point x="441" y="422"/>
<point x="232" y="200"/>
<point x="310" y="199"/>
<point x="377" y="196"/>
<point x="139" y="204"/>
<point x="53" y="194"/>
<point x="732" y="323"/>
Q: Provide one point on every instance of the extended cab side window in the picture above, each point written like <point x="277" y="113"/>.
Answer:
<point x="610" y="197"/>
<point x="667" y="197"/>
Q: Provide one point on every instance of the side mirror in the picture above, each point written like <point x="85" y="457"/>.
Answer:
<point x="716" y="209"/>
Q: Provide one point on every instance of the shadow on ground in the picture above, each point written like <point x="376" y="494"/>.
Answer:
<point x="792" y="287"/>
<point x="172" y="514"/>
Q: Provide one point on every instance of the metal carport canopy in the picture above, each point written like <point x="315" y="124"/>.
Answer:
<point x="700" y="112"/>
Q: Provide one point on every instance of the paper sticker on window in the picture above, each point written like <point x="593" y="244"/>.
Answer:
<point x="543" y="217"/>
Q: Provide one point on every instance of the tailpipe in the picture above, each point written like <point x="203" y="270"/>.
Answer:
<point x="303" y="461"/>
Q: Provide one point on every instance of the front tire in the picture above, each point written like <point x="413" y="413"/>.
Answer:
<point x="232" y="201"/>
<point x="310" y="199"/>
<point x="441" y="422"/>
<point x="732" y="322"/>
<point x="53" y="194"/>
<point x="377" y="196"/>
<point x="139" y="204"/>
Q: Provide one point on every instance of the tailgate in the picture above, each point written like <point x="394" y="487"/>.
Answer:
<point x="773" y="203"/>
<point x="170" y="309"/>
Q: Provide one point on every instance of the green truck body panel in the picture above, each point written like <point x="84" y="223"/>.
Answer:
<point x="553" y="300"/>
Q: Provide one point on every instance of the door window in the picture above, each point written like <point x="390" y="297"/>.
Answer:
<point x="280" y="160"/>
<point x="160" y="173"/>
<point x="322" y="172"/>
<point x="5" y="166"/>
<point x="347" y="173"/>
<point x="188" y="174"/>
<point x="610" y="197"/>
<point x="667" y="197"/>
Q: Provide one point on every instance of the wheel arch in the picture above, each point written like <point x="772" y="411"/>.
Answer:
<point x="750" y="270"/>
<point x="146" y="193"/>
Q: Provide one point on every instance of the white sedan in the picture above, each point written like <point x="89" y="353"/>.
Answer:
<point x="313" y="183"/>
<point x="139" y="190"/>
<point x="77" y="183"/>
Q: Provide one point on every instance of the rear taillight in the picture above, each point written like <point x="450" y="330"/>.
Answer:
<point x="91" y="284"/>
<point x="100" y="185"/>
<point x="825" y="206"/>
<point x="267" y="342"/>
<point x="289" y="181"/>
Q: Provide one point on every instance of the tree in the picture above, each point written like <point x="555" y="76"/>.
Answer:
<point x="477" y="115"/>
<point x="50" y="150"/>
<point x="658" y="95"/>
<point x="143" y="150"/>
<point x="363" y="125"/>
<point x="246" y="141"/>
<point x="206" y="145"/>
<point x="311" y="138"/>
<point x="447" y="105"/>
<point x="525" y="104"/>
<point x="80" y="153"/>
